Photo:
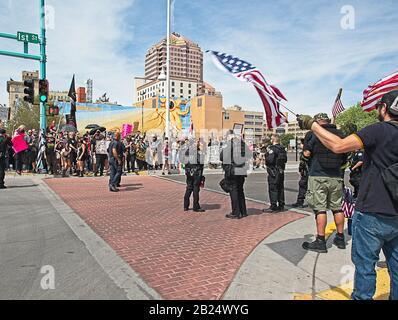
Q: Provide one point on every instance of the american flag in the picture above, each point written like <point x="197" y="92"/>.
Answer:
<point x="373" y="94"/>
<point x="245" y="71"/>
<point x="338" y="105"/>
<point x="42" y="149"/>
<point x="348" y="205"/>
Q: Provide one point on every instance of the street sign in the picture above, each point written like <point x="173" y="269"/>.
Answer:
<point x="27" y="37"/>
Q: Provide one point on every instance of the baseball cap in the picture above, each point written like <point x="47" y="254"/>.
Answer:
<point x="391" y="100"/>
<point x="321" y="116"/>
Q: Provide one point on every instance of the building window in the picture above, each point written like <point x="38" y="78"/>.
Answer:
<point x="226" y="116"/>
<point x="172" y="83"/>
<point x="172" y="90"/>
<point x="181" y="85"/>
<point x="189" y="85"/>
<point x="182" y="91"/>
<point x="153" y="103"/>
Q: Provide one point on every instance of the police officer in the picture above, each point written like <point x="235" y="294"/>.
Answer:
<point x="116" y="150"/>
<point x="356" y="170"/>
<point x="4" y="145"/>
<point x="303" y="183"/>
<point x="194" y="165"/>
<point x="276" y="159"/>
<point x="235" y="157"/>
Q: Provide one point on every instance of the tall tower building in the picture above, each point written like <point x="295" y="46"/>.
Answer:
<point x="89" y="86"/>
<point x="186" y="59"/>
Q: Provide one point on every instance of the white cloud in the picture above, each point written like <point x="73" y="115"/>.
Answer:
<point x="88" y="40"/>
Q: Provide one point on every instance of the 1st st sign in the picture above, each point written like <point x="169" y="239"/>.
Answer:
<point x="27" y="37"/>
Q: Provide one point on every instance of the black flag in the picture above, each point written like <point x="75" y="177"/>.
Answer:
<point x="71" y="120"/>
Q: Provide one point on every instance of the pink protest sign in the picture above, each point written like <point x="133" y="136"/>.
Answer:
<point x="19" y="144"/>
<point x="126" y="130"/>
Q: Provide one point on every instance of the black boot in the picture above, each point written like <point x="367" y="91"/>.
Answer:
<point x="339" y="241"/>
<point x="271" y="209"/>
<point x="319" y="245"/>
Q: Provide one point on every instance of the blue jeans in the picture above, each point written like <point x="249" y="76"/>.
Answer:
<point x="371" y="234"/>
<point x="115" y="174"/>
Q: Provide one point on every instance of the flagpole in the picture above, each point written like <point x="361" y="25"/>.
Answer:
<point x="168" y="70"/>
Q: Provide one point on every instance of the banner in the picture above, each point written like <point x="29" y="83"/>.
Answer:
<point x="126" y="130"/>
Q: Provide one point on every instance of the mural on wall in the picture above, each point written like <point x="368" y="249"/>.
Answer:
<point x="113" y="117"/>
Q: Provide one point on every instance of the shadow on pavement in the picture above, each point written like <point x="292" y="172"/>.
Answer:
<point x="291" y="249"/>
<point x="210" y="207"/>
<point x="254" y="212"/>
<point x="25" y="186"/>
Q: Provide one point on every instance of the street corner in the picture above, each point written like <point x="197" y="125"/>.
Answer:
<point x="180" y="255"/>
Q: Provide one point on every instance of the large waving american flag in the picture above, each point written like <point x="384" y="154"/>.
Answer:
<point x="245" y="71"/>
<point x="375" y="92"/>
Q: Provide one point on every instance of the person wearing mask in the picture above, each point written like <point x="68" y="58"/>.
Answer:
<point x="275" y="159"/>
<point x="375" y="222"/>
<point x="235" y="157"/>
<point x="66" y="158"/>
<point x="115" y="162"/>
<point x="194" y="166"/>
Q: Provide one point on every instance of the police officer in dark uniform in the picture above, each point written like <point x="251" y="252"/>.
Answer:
<point x="276" y="159"/>
<point x="235" y="157"/>
<point x="303" y="183"/>
<point x="4" y="145"/>
<point x="194" y="166"/>
<point x="116" y="150"/>
<point x="356" y="170"/>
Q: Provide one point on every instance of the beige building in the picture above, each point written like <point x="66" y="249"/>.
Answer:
<point x="186" y="59"/>
<point x="61" y="96"/>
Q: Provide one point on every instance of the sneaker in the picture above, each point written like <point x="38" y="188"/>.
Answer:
<point x="317" y="246"/>
<point x="339" y="242"/>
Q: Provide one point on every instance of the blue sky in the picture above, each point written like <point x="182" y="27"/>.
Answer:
<point x="299" y="45"/>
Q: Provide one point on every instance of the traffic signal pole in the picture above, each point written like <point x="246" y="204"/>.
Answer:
<point x="43" y="71"/>
<point x="32" y="38"/>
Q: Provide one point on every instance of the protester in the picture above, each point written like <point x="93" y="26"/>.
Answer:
<point x="20" y="147"/>
<point x="4" y="145"/>
<point x="375" y="222"/>
<point x="303" y="183"/>
<point x="325" y="185"/>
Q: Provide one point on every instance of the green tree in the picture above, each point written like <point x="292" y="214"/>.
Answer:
<point x="285" y="139"/>
<point x="28" y="115"/>
<point x="355" y="119"/>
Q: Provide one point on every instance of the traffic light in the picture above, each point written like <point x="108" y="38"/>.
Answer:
<point x="29" y="91"/>
<point x="43" y="90"/>
<point x="53" y="110"/>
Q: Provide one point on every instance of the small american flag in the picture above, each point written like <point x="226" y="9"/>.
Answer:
<point x="373" y="94"/>
<point x="42" y="149"/>
<point x="245" y="71"/>
<point x="338" y="105"/>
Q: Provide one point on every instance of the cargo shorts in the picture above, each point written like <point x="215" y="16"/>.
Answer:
<point x="325" y="193"/>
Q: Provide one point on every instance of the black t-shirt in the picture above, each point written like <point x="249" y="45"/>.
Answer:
<point x="315" y="168"/>
<point x="380" y="141"/>
<point x="119" y="149"/>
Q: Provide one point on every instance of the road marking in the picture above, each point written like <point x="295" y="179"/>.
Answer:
<point x="344" y="291"/>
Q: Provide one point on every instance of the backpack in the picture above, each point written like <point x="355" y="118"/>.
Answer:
<point x="390" y="175"/>
<point x="281" y="158"/>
